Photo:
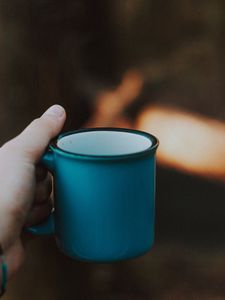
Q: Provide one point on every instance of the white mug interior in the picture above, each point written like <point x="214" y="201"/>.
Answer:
<point x="104" y="142"/>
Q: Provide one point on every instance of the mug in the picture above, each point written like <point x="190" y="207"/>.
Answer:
<point x="104" y="193"/>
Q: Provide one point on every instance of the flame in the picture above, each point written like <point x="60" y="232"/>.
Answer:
<point x="189" y="142"/>
<point x="111" y="104"/>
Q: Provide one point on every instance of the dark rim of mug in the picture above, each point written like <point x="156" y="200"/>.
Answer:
<point x="54" y="147"/>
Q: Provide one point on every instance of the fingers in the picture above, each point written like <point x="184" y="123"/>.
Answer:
<point x="43" y="190"/>
<point x="18" y="159"/>
<point x="39" y="213"/>
<point x="32" y="142"/>
<point x="42" y="205"/>
<point x="41" y="172"/>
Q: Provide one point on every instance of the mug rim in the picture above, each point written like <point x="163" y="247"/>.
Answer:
<point x="151" y="149"/>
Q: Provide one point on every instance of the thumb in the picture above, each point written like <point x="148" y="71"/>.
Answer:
<point x="32" y="142"/>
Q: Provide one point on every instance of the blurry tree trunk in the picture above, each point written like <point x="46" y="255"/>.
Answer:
<point x="54" y="51"/>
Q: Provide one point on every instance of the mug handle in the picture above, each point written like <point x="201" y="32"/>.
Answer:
<point x="48" y="226"/>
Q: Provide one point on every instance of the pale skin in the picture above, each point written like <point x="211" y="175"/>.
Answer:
<point x="25" y="186"/>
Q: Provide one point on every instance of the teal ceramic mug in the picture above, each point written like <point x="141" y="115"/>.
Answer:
<point x="104" y="190"/>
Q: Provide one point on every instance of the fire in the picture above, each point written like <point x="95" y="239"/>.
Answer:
<point x="111" y="104"/>
<point x="189" y="142"/>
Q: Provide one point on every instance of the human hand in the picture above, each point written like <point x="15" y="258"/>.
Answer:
<point x="25" y="187"/>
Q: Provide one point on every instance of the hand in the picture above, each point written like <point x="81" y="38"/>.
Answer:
<point x="25" y="187"/>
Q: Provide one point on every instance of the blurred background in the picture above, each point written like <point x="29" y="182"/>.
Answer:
<point x="153" y="65"/>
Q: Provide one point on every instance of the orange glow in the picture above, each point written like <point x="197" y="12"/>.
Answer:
<point x="189" y="142"/>
<point x="111" y="104"/>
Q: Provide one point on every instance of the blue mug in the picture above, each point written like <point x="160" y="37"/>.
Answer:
<point x="104" y="190"/>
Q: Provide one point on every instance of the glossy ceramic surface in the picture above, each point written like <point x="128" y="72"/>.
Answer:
<point x="104" y="203"/>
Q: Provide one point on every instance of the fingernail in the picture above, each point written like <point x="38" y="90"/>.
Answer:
<point x="55" y="110"/>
